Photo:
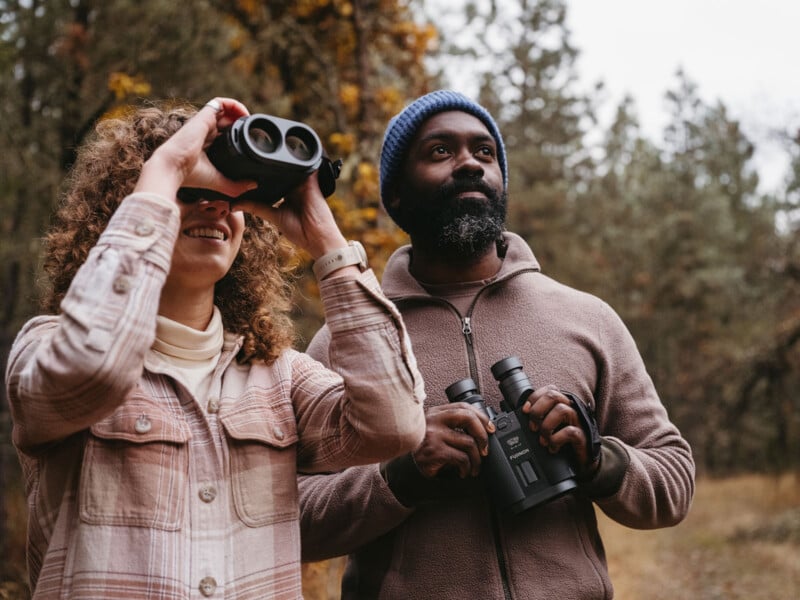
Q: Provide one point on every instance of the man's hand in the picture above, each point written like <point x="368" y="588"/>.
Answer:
<point x="456" y="437"/>
<point x="553" y="417"/>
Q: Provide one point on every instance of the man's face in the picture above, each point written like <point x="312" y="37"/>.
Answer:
<point x="449" y="196"/>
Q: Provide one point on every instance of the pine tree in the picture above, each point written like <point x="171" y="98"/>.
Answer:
<point x="524" y="65"/>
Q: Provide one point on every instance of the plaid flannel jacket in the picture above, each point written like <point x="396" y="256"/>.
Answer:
<point x="137" y="489"/>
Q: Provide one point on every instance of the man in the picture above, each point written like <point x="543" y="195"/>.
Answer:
<point x="424" y="525"/>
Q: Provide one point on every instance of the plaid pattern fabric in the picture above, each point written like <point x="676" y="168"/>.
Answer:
<point x="137" y="489"/>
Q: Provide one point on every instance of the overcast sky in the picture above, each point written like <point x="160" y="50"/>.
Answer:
<point x="740" y="52"/>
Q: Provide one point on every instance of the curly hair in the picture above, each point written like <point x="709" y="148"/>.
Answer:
<point x="254" y="297"/>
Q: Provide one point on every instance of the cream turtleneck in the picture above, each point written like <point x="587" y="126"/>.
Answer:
<point x="190" y="355"/>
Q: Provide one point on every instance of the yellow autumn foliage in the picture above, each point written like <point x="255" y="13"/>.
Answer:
<point x="123" y="85"/>
<point x="306" y="8"/>
<point x="390" y="100"/>
<point x="342" y="143"/>
<point x="343" y="7"/>
<point x="349" y="95"/>
<point x="366" y="184"/>
<point x="249" y="7"/>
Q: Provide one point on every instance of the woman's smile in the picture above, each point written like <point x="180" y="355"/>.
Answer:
<point x="206" y="232"/>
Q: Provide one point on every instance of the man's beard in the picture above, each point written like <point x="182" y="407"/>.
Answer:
<point x="456" y="228"/>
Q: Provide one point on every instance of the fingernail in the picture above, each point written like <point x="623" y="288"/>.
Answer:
<point x="491" y="427"/>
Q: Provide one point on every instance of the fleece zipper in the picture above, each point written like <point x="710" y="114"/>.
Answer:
<point x="466" y="331"/>
<point x="473" y="367"/>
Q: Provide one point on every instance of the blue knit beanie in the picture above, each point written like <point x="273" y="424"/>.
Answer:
<point x="403" y="127"/>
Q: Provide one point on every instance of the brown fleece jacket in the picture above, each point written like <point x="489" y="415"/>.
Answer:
<point x="450" y="543"/>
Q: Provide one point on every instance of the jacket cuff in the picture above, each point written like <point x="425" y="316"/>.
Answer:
<point x="412" y="489"/>
<point x="353" y="303"/>
<point x="403" y="479"/>
<point x="607" y="480"/>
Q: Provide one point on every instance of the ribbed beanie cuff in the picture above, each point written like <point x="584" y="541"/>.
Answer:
<point x="403" y="127"/>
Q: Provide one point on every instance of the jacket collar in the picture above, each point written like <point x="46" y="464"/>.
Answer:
<point x="398" y="281"/>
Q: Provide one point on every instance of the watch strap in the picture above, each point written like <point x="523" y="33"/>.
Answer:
<point x="352" y="254"/>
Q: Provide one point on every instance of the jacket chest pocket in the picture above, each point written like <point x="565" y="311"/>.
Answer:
<point x="263" y="460"/>
<point x="135" y="468"/>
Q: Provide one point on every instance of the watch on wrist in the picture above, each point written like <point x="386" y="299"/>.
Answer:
<point x="352" y="254"/>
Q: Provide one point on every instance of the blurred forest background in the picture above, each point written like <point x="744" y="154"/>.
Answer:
<point x="674" y="233"/>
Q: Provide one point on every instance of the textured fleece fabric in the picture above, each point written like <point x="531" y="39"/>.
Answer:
<point x="455" y="545"/>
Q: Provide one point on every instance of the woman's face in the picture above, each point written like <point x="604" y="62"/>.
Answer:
<point x="208" y="242"/>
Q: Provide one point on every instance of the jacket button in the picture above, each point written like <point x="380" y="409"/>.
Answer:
<point x="144" y="229"/>
<point x="143" y="424"/>
<point x="213" y="405"/>
<point x="278" y="432"/>
<point x="208" y="585"/>
<point x="207" y="493"/>
<point x="121" y="284"/>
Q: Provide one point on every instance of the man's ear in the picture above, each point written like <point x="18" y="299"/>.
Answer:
<point x="392" y="200"/>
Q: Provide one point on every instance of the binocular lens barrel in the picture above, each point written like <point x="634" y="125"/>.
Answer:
<point x="300" y="143"/>
<point x="263" y="135"/>
<point x="502" y="367"/>
<point x="514" y="384"/>
<point x="465" y="390"/>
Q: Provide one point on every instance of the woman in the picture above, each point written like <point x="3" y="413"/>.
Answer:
<point x="160" y="414"/>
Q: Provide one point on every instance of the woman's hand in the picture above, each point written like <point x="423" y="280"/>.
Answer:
<point x="304" y="218"/>
<point x="181" y="161"/>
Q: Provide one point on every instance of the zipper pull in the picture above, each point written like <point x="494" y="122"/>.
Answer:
<point x="466" y="329"/>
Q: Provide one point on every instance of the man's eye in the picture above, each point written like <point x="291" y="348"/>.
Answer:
<point x="440" y="150"/>
<point x="486" y="151"/>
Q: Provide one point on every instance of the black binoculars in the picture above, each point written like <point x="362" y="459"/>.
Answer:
<point x="277" y="153"/>
<point x="518" y="471"/>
